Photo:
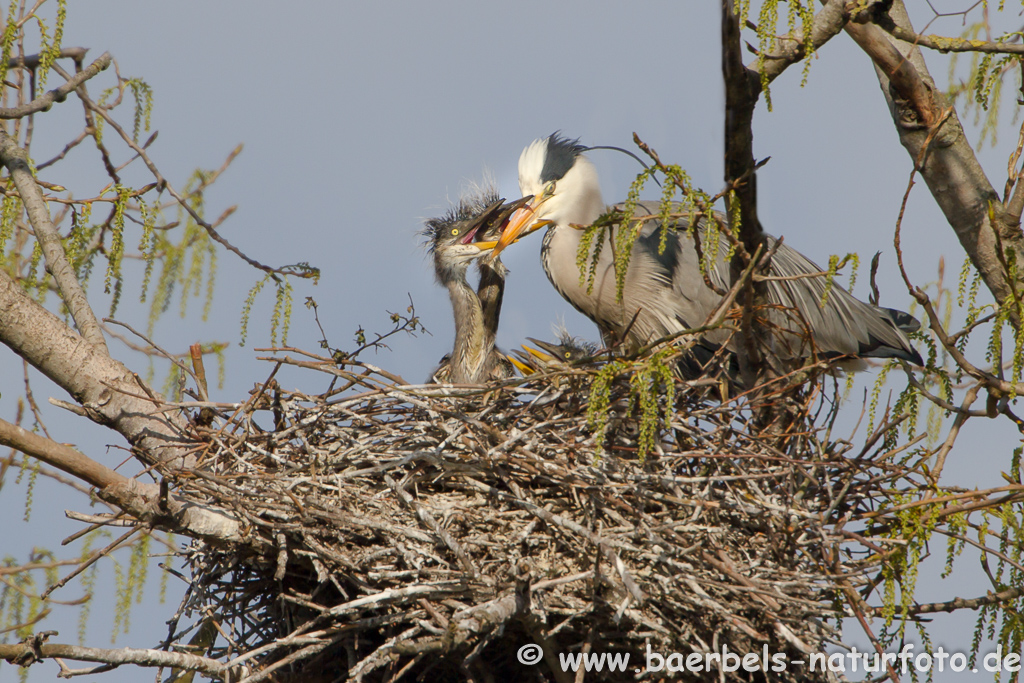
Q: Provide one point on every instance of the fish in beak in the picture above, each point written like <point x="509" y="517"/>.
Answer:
<point x="494" y="221"/>
<point x="521" y="223"/>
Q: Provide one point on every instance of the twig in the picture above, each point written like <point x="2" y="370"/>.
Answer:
<point x="59" y="94"/>
<point x="16" y="160"/>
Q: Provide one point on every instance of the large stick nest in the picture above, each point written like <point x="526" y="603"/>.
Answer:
<point x="425" y="533"/>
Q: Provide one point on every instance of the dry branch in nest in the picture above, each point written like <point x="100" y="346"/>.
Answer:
<point x="428" y="533"/>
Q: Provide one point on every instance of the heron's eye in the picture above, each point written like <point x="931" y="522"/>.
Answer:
<point x="568" y="355"/>
<point x="455" y="232"/>
<point x="549" y="189"/>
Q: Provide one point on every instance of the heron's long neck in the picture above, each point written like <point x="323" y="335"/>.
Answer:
<point x="577" y="199"/>
<point x="470" y="340"/>
<point x="562" y="241"/>
<point x="490" y="292"/>
<point x="585" y="207"/>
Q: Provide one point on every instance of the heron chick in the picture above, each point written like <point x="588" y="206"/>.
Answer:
<point x="467" y="232"/>
<point x="547" y="356"/>
<point x="664" y="291"/>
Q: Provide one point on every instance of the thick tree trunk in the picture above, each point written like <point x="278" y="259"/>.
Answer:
<point x="110" y="393"/>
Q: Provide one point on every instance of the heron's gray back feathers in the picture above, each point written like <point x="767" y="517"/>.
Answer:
<point x="844" y="325"/>
<point x="665" y="293"/>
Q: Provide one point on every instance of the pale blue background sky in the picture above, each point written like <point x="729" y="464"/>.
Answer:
<point x="362" y="119"/>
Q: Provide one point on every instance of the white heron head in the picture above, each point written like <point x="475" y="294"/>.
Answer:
<point x="563" y="185"/>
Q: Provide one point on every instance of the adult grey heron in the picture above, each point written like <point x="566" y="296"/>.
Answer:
<point x="457" y="239"/>
<point x="664" y="293"/>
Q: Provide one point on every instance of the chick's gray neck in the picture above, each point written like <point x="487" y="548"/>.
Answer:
<point x="470" y="343"/>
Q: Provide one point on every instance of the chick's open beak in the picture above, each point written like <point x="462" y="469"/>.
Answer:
<point x="524" y="369"/>
<point x="539" y="355"/>
<point x="502" y="218"/>
<point x="521" y="224"/>
<point x="481" y="224"/>
<point x="555" y="352"/>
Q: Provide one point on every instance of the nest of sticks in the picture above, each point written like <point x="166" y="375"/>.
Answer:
<point x="430" y="533"/>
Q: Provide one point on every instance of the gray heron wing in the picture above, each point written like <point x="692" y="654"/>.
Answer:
<point x="664" y="288"/>
<point x="844" y="325"/>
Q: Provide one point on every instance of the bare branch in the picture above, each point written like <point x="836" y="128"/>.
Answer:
<point x="955" y="604"/>
<point x="945" y="44"/>
<point x="45" y="101"/>
<point x="32" y="652"/>
<point x="907" y="81"/>
<point x="33" y="61"/>
<point x="16" y="160"/>
<point x="87" y="372"/>
<point x="741" y="92"/>
<point x="142" y="501"/>
<point x="742" y="88"/>
<point x="89" y="561"/>
<point x="60" y="456"/>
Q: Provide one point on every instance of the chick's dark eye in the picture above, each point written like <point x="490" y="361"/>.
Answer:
<point x="455" y="231"/>
<point x="568" y="354"/>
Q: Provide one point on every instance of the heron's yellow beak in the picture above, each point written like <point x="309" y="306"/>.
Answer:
<point x="521" y="224"/>
<point x="540" y="355"/>
<point x="524" y="369"/>
<point x="501" y="216"/>
<point x="550" y="352"/>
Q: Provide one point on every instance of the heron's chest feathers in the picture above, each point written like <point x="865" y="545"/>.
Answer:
<point x="558" y="256"/>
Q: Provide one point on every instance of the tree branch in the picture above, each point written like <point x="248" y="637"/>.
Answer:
<point x="33" y="61"/>
<point x="88" y="374"/>
<point x="45" y="101"/>
<point x="142" y="501"/>
<point x="16" y="160"/>
<point x="60" y="456"/>
<point x="25" y="654"/>
<point x="904" y="79"/>
<point x="955" y="604"/>
<point x="944" y="44"/>
<point x="742" y="88"/>
<point x="950" y="168"/>
<point x="792" y="47"/>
